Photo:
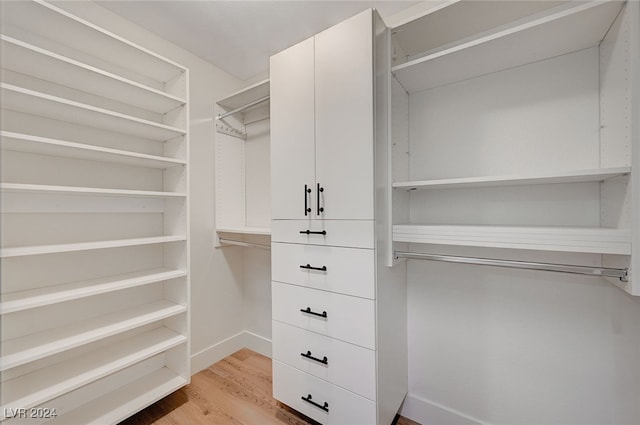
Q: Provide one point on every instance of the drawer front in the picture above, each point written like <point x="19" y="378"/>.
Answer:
<point x="345" y="365"/>
<point x="348" y="318"/>
<point x="346" y="270"/>
<point x="342" y="407"/>
<point x="348" y="233"/>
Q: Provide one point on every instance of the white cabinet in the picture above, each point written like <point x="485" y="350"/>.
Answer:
<point x="332" y="297"/>
<point x="323" y="122"/>
<point x="95" y="256"/>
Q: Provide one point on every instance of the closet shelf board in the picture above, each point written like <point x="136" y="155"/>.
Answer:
<point x="22" y="350"/>
<point x="245" y="96"/>
<point x="564" y="29"/>
<point x="83" y="36"/>
<point x="43" y="385"/>
<point x="53" y="147"/>
<point x="118" y="405"/>
<point x="563" y="239"/>
<point x="32" y="102"/>
<point x="27" y="59"/>
<point x="24" y="300"/>
<point x="578" y="176"/>
<point x="82" y="246"/>
<point x="47" y="189"/>
<point x="245" y="230"/>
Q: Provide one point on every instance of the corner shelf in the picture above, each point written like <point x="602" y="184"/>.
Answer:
<point x="566" y="28"/>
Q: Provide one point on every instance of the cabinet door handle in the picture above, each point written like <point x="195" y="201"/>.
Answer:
<point x="320" y="209"/>
<point x="308" y="355"/>
<point x="307" y="209"/>
<point x="310" y="267"/>
<point x="324" y="406"/>
<point x="311" y="232"/>
<point x="308" y="311"/>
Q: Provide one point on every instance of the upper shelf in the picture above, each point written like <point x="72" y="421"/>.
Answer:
<point x="577" y="176"/>
<point x="27" y="59"/>
<point x="560" y="30"/>
<point x="245" y="96"/>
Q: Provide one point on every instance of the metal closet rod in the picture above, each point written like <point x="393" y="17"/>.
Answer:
<point x="242" y="108"/>
<point x="243" y="243"/>
<point x="621" y="274"/>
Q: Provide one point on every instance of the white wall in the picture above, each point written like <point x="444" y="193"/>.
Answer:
<point x="216" y="290"/>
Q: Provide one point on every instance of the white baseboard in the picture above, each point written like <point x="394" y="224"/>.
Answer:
<point x="427" y="412"/>
<point x="245" y="339"/>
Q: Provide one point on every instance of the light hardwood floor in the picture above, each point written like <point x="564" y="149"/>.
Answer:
<point x="234" y="391"/>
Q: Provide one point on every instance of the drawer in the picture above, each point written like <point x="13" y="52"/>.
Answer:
<point x="348" y="270"/>
<point x="349" y="233"/>
<point x="350" y="319"/>
<point x="343" y="407"/>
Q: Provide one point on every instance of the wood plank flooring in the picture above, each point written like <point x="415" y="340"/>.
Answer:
<point x="234" y="391"/>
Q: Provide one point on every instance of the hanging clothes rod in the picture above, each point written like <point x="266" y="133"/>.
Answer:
<point x="621" y="274"/>
<point x="242" y="243"/>
<point x="242" y="108"/>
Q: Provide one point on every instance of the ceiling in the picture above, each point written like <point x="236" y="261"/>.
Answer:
<point x="239" y="36"/>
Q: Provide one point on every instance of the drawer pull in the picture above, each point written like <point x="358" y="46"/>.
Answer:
<point x="308" y="311"/>
<point x="308" y="355"/>
<point x="311" y="232"/>
<point x="309" y="267"/>
<point x="324" y="406"/>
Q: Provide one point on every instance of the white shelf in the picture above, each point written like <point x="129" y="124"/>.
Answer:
<point x="24" y="300"/>
<point x="577" y="176"/>
<point x="35" y="103"/>
<point x="564" y="29"/>
<point x="81" y="35"/>
<point x="27" y="59"/>
<point x="245" y="230"/>
<point x="564" y="239"/>
<point x="62" y="148"/>
<point x="48" y="189"/>
<point x="245" y="96"/>
<point x="48" y="383"/>
<point x="118" y="405"/>
<point x="22" y="350"/>
<point x="82" y="246"/>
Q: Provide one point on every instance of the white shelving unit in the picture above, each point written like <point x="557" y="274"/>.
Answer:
<point x="242" y="174"/>
<point x="516" y="131"/>
<point x="95" y="256"/>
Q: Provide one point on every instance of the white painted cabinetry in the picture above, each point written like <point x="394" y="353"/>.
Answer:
<point x="339" y="315"/>
<point x="95" y="256"/>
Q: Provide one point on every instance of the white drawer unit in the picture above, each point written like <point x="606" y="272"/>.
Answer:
<point x="344" y="270"/>
<point x="320" y="400"/>
<point x="345" y="365"/>
<point x="351" y="233"/>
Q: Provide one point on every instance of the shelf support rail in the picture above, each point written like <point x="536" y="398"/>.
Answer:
<point x="224" y="241"/>
<point x="622" y="274"/>
<point x="242" y="108"/>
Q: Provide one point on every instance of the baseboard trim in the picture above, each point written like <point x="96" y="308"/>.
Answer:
<point x="245" y="339"/>
<point x="428" y="412"/>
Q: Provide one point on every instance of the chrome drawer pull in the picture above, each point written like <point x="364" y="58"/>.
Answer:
<point x="308" y="311"/>
<point x="309" y="267"/>
<point x="308" y="355"/>
<point x="311" y="232"/>
<point x="324" y="406"/>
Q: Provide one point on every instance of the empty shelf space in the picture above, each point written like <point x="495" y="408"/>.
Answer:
<point x="245" y="96"/>
<point x="83" y="36"/>
<point x="82" y="246"/>
<point x="23" y="300"/>
<point x="27" y="59"/>
<point x="35" y="103"/>
<point x="578" y="176"/>
<point x="245" y="230"/>
<point x="19" y="351"/>
<point x="62" y="148"/>
<point x="564" y="29"/>
<point x="118" y="405"/>
<point x="47" y="189"/>
<point x="45" y="384"/>
<point x="564" y="239"/>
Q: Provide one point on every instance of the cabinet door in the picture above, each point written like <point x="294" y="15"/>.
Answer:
<point x="292" y="132"/>
<point x="344" y="118"/>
